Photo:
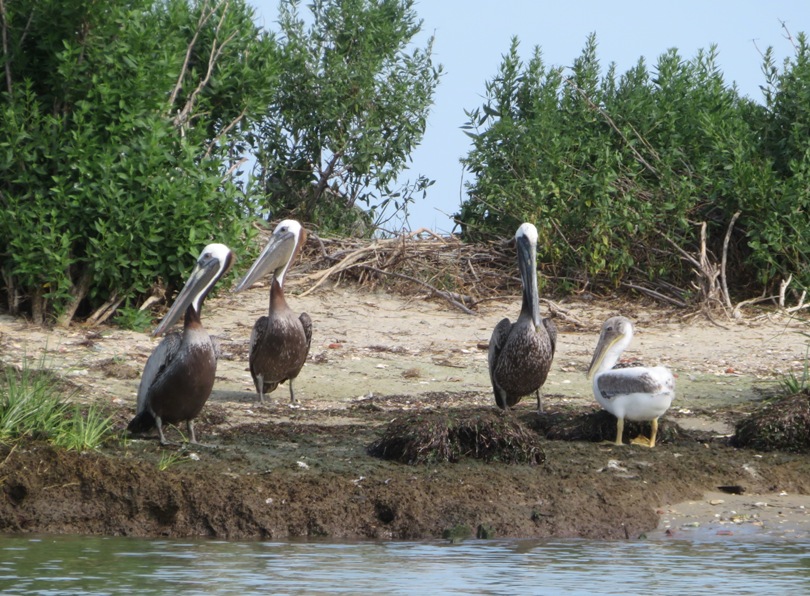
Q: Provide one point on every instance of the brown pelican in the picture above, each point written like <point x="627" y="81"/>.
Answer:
<point x="520" y="353"/>
<point x="635" y="393"/>
<point x="279" y="343"/>
<point x="179" y="375"/>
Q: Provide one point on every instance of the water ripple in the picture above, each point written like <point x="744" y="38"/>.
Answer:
<point x="87" y="565"/>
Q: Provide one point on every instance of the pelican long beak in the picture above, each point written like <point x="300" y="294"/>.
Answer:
<point x="527" y="263"/>
<point x="276" y="255"/>
<point x="207" y="270"/>
<point x="607" y="339"/>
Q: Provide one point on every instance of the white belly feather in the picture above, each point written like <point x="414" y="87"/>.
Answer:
<point x="635" y="393"/>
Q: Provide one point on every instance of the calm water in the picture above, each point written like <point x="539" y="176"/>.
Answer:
<point x="80" y="565"/>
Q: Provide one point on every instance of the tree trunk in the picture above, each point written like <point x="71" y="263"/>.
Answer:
<point x="77" y="293"/>
<point x="12" y="295"/>
<point x="38" y="307"/>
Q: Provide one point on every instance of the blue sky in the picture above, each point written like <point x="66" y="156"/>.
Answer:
<point x="472" y="35"/>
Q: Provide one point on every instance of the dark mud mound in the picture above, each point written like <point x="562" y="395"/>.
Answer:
<point x="781" y="425"/>
<point x="446" y="436"/>
<point x="278" y="481"/>
<point x="598" y="426"/>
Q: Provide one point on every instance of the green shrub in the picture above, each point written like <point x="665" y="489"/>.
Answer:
<point x="615" y="171"/>
<point x="117" y="150"/>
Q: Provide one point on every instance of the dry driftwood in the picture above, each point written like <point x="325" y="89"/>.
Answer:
<point x="445" y="267"/>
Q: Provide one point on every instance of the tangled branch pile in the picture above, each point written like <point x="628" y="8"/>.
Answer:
<point x="466" y="274"/>
<point x="444" y="266"/>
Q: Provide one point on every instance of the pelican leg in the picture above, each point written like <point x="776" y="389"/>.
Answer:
<point x="619" y="430"/>
<point x="654" y="432"/>
<point x="260" y="387"/>
<point x="539" y="403"/>
<point x="159" y="424"/>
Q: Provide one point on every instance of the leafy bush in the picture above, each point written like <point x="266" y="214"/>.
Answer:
<point x="120" y="131"/>
<point x="351" y="104"/>
<point x="617" y="172"/>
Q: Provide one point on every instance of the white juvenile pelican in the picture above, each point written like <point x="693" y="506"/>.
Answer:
<point x="635" y="393"/>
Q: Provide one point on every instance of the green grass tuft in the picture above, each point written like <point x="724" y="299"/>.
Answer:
<point x="84" y="432"/>
<point x="32" y="407"/>
<point x="169" y="459"/>
<point x="792" y="383"/>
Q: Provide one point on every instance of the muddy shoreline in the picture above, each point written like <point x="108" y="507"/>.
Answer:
<point x="282" y="472"/>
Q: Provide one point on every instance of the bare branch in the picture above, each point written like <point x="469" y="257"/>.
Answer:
<point x="788" y="36"/>
<point x="77" y="293"/>
<point x="234" y="166"/>
<point x="216" y="52"/>
<point x="737" y="314"/>
<point x="449" y="296"/>
<point x="106" y="310"/>
<point x="801" y="305"/>
<point x="724" y="260"/>
<point x="225" y="131"/>
<point x="783" y="286"/>
<point x="657" y="295"/>
<point x="684" y="254"/>
<point x="6" y="54"/>
<point x="200" y="24"/>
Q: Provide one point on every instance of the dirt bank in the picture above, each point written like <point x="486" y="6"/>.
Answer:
<point x="280" y="471"/>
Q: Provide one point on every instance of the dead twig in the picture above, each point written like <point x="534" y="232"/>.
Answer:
<point x="561" y="313"/>
<point x="106" y="310"/>
<point x="449" y="296"/>
<point x="724" y="260"/>
<point x="655" y="295"/>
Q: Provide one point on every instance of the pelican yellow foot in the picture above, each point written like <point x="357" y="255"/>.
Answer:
<point x="642" y="440"/>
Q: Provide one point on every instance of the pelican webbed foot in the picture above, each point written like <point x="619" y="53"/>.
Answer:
<point x="642" y="440"/>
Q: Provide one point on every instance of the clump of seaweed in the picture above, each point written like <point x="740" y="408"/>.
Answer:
<point x="781" y="425"/>
<point x="597" y="426"/>
<point x="447" y="436"/>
